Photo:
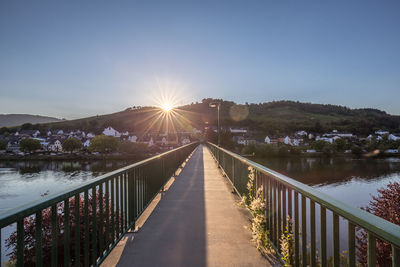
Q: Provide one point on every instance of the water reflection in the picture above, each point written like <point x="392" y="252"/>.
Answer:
<point x="24" y="181"/>
<point x="327" y="171"/>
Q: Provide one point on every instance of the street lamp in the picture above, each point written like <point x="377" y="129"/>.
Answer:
<point x="217" y="105"/>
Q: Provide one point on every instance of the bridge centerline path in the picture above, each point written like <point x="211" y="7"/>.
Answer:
<point x="196" y="223"/>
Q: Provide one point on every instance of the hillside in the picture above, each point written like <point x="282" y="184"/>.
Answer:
<point x="271" y="117"/>
<point x="10" y="120"/>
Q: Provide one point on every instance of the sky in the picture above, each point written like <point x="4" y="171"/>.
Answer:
<point x="73" y="59"/>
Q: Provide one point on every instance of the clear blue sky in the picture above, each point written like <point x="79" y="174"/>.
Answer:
<point x="78" y="58"/>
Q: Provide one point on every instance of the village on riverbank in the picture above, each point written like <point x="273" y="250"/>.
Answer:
<point x="70" y="144"/>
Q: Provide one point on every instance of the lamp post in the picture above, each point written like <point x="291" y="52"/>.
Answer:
<point x="217" y="105"/>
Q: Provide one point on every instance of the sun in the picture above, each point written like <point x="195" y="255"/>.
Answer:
<point x="167" y="107"/>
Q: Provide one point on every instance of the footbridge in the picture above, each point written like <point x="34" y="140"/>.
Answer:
<point x="180" y="208"/>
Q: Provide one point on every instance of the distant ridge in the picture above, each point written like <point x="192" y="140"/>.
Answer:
<point x="10" y="120"/>
<point x="277" y="117"/>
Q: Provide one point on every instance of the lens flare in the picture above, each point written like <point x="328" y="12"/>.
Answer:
<point x="167" y="107"/>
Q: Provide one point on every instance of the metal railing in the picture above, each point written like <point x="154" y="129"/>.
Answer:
<point x="58" y="232"/>
<point x="284" y="196"/>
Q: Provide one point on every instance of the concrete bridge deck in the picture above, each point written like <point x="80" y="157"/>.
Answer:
<point x="196" y="222"/>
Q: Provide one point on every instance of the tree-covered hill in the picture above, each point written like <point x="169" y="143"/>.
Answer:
<point x="278" y="117"/>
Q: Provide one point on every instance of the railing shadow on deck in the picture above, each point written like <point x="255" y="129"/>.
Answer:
<point x="285" y="196"/>
<point x="58" y="232"/>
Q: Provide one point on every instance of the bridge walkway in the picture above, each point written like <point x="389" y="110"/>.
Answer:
<point x="195" y="222"/>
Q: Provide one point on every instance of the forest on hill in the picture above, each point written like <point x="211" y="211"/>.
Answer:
<point x="278" y="117"/>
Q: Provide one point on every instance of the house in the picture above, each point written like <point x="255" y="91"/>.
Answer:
<point x="237" y="131"/>
<point x="287" y="141"/>
<point x="301" y="133"/>
<point x="60" y="132"/>
<point x="132" y="138"/>
<point x="185" y="140"/>
<point x="110" y="131"/>
<point x="394" y="137"/>
<point x="55" y="145"/>
<point x="148" y="140"/>
<point x="13" y="146"/>
<point x="336" y="133"/>
<point x="381" y="132"/>
<point x="90" y="135"/>
<point x="326" y="139"/>
<point x="196" y="131"/>
<point x="86" y="143"/>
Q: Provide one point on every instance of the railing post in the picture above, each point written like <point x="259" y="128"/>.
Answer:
<point x="395" y="256"/>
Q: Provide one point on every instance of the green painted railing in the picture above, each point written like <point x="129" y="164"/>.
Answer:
<point x="287" y="197"/>
<point x="55" y="231"/>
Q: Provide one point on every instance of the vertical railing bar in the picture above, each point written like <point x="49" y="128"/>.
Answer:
<point x="1" y="246"/>
<point x="112" y="189"/>
<point x="87" y="233"/>
<point x="290" y="214"/>
<point x="274" y="212"/>
<point x="351" y="244"/>
<point x="279" y="187"/>
<point x="284" y="215"/>
<point x="304" y="230"/>
<point x="107" y="239"/>
<point x="270" y="205"/>
<point x="20" y="242"/>
<point x="312" y="234"/>
<point x="395" y="256"/>
<point x="371" y="247"/>
<point x="54" y="235"/>
<point x="336" y="256"/>
<point x="296" y="229"/>
<point x="121" y="190"/>
<point x="117" y="208"/>
<point x="323" y="235"/>
<point x="121" y="201"/>
<point x="94" y="225"/>
<point x="101" y="221"/>
<point x="126" y="200"/>
<point x="38" y="237"/>
<point x="77" y="230"/>
<point x="66" y="234"/>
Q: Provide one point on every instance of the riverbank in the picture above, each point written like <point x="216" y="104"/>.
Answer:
<point x="63" y="157"/>
<point x="324" y="155"/>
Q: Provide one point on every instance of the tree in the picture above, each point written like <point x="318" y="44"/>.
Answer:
<point x="26" y="126"/>
<point x="133" y="148"/>
<point x="384" y="205"/>
<point x="3" y="130"/>
<point x="3" y="144"/>
<point x="318" y="145"/>
<point x="339" y="145"/>
<point x="29" y="247"/>
<point x="71" y="144"/>
<point x="29" y="145"/>
<point x="104" y="144"/>
<point x="356" y="150"/>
